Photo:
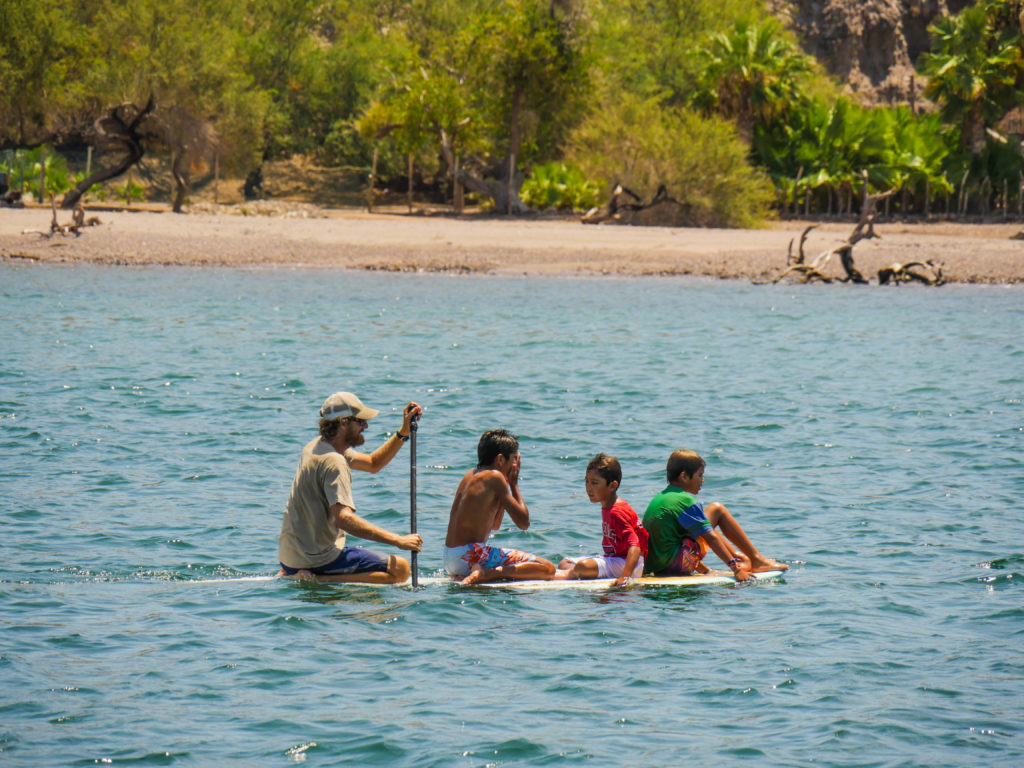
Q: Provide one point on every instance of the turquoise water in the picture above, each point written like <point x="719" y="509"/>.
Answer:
<point x="152" y="418"/>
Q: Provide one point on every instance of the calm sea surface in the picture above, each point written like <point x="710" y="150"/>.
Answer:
<point x="152" y="418"/>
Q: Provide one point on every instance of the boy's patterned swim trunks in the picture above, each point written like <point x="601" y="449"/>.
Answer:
<point x="690" y="553"/>
<point x="459" y="560"/>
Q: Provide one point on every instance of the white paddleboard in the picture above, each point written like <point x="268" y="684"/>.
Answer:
<point x="710" y="579"/>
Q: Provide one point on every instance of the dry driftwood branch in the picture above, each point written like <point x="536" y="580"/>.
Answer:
<point x="799" y="258"/>
<point x="904" y="273"/>
<point x="74" y="227"/>
<point x="626" y="207"/>
<point x="809" y="272"/>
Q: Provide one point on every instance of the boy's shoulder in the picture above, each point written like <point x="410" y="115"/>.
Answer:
<point x="487" y="476"/>
<point x="620" y="507"/>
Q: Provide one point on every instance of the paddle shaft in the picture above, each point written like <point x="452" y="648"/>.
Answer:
<point x="412" y="499"/>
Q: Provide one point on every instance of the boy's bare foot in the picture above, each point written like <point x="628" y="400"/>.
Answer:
<point x="564" y="573"/>
<point x="767" y="564"/>
<point x="475" y="573"/>
<point x="305" y="575"/>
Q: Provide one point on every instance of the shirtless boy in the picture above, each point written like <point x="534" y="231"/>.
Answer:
<point x="481" y="501"/>
<point x="682" y="530"/>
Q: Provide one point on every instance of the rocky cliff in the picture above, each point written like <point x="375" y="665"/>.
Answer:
<point x="871" y="46"/>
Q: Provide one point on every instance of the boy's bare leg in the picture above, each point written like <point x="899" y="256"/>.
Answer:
<point x="539" y="569"/>
<point x="564" y="569"/>
<point x="585" y="569"/>
<point x="576" y="569"/>
<point x="721" y="518"/>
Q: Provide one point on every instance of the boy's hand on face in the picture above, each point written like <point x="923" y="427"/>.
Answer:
<point x="513" y="472"/>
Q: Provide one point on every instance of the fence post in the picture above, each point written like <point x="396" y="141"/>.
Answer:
<point x="409" y="197"/>
<point x="458" y="192"/>
<point x="42" y="173"/>
<point x="511" y="180"/>
<point x="962" y="207"/>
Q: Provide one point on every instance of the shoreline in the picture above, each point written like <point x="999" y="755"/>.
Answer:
<point x="296" y="235"/>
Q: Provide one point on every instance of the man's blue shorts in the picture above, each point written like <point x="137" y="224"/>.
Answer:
<point x="349" y="560"/>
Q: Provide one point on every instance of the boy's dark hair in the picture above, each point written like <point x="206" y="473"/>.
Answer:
<point x="683" y="461"/>
<point x="607" y="467"/>
<point x="493" y="443"/>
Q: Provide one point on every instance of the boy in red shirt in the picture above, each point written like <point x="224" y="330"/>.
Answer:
<point x="625" y="540"/>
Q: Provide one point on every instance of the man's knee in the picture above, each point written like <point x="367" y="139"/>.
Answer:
<point x="398" y="568"/>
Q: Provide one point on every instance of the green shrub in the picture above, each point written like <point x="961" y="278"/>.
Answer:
<point x="700" y="161"/>
<point x="559" y="185"/>
<point x="129" y="192"/>
<point x="57" y="180"/>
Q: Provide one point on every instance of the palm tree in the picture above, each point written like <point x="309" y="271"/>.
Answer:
<point x="973" y="68"/>
<point x="751" y="75"/>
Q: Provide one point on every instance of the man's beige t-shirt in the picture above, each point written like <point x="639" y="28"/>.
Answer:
<point x="309" y="539"/>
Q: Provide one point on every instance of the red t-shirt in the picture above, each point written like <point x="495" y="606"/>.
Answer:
<point x="622" y="529"/>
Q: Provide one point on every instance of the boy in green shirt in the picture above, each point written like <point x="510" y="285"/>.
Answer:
<point x="681" y="530"/>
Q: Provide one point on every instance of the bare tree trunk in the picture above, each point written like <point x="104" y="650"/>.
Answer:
<point x="796" y="192"/>
<point x="180" y="181"/>
<point x="122" y="126"/>
<point x="515" y="129"/>
<point x="498" y="191"/>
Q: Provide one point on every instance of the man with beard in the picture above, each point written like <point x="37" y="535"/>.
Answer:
<point x="321" y="509"/>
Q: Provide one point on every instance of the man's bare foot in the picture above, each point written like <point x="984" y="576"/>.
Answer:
<point x="305" y="575"/>
<point x="767" y="564"/>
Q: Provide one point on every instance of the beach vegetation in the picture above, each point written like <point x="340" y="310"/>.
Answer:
<point x="710" y="99"/>
<point x="975" y="71"/>
<point x="41" y="164"/>
<point x="562" y="186"/>
<point x="752" y="74"/>
<point x="129" y="191"/>
<point x="702" y="164"/>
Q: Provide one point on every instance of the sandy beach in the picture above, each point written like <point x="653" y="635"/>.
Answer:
<point x="300" y="236"/>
